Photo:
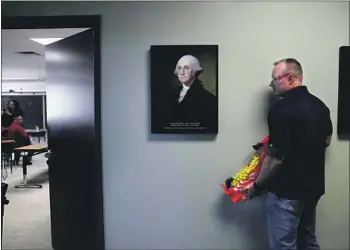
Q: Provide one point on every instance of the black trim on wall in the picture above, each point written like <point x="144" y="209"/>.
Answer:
<point x="85" y="21"/>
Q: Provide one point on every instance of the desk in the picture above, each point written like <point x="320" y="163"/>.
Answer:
<point x="35" y="149"/>
<point x="7" y="141"/>
<point x="36" y="133"/>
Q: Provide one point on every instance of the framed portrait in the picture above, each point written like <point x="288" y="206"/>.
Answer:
<point x="184" y="89"/>
<point x="343" y="121"/>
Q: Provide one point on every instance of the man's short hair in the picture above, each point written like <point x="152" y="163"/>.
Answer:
<point x="293" y="66"/>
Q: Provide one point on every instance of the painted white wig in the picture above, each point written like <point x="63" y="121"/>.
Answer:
<point x="191" y="61"/>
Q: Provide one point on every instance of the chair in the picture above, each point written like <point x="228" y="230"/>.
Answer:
<point x="6" y="157"/>
<point x="4" y="132"/>
<point x="20" y="142"/>
<point x="4" y="201"/>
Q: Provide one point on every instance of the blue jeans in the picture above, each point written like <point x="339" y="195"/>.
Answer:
<point x="291" y="224"/>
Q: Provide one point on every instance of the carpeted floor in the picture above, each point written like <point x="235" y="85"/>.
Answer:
<point x="27" y="216"/>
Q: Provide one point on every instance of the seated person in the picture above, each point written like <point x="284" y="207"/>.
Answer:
<point x="17" y="132"/>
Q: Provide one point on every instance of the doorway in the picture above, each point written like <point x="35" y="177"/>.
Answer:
<point x="73" y="123"/>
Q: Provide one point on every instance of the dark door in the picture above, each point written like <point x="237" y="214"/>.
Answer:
<point x="72" y="141"/>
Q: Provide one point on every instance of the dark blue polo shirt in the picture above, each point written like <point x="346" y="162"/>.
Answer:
<point x="298" y="127"/>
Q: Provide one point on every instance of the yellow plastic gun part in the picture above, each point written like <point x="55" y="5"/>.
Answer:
<point x="244" y="172"/>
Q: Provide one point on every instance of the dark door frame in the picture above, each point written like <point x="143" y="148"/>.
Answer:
<point x="86" y="21"/>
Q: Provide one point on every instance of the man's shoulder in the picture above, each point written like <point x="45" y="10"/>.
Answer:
<point x="318" y="103"/>
<point x="318" y="100"/>
<point x="279" y="108"/>
<point x="304" y="99"/>
<point x="207" y="95"/>
<point x="15" y="127"/>
<point x="12" y="126"/>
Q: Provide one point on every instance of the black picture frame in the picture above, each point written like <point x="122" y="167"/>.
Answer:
<point x="197" y="112"/>
<point x="343" y="119"/>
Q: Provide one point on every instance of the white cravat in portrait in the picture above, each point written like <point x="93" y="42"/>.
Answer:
<point x="183" y="92"/>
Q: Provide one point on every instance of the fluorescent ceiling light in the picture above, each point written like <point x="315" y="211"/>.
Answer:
<point x="21" y="79"/>
<point x="45" y="41"/>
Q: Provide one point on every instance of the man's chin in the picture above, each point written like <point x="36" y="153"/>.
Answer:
<point x="277" y="93"/>
<point x="274" y="92"/>
<point x="187" y="83"/>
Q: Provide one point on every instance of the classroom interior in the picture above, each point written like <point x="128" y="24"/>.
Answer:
<point x="163" y="191"/>
<point x="23" y="85"/>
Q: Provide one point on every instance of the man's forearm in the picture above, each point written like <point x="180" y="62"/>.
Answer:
<point x="23" y="133"/>
<point x="268" y="169"/>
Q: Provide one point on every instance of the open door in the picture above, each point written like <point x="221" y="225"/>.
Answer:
<point x="73" y="144"/>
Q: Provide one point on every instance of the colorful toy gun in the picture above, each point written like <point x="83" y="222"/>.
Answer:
<point x="235" y="185"/>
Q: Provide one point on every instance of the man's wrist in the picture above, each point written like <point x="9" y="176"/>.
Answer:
<point x="258" y="187"/>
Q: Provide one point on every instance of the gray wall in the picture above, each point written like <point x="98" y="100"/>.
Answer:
<point x="178" y="203"/>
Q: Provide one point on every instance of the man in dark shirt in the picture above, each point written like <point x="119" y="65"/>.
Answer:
<point x="293" y="173"/>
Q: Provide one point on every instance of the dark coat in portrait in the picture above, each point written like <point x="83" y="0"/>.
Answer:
<point x="198" y="106"/>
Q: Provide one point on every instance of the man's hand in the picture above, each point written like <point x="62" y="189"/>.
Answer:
<point x="250" y="191"/>
<point x="328" y="140"/>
